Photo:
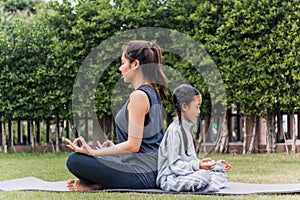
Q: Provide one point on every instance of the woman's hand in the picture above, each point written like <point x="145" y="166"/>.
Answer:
<point x="84" y="148"/>
<point x="207" y="163"/>
<point x="107" y="143"/>
<point x="227" y="166"/>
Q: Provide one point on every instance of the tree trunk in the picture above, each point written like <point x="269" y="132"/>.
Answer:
<point x="86" y="126"/>
<point x="31" y="134"/>
<point x="285" y="144"/>
<point x="98" y="134"/>
<point x="38" y="132"/>
<point x="199" y="137"/>
<point x="112" y="125"/>
<point x="4" y="145"/>
<point x="281" y="133"/>
<point x="222" y="139"/>
<point x="271" y="137"/>
<point x="292" y="129"/>
<point x="253" y="135"/>
<point x="280" y="126"/>
<point x="250" y="134"/>
<point x="245" y="139"/>
<point x="20" y="132"/>
<point x="10" y="133"/>
<point x="206" y="126"/>
<point x="57" y="132"/>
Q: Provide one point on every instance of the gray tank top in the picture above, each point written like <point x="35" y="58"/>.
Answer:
<point x="145" y="160"/>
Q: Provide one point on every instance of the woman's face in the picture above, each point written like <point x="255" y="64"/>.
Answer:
<point x="126" y="69"/>
<point x="191" y="112"/>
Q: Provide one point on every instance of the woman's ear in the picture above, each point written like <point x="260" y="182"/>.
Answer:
<point x="136" y="64"/>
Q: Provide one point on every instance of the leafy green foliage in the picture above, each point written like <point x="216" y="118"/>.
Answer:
<point x="250" y="42"/>
<point x="254" y="45"/>
<point x="12" y="10"/>
<point x="24" y="59"/>
<point x="15" y="5"/>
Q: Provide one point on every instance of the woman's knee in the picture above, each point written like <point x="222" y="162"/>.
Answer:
<point x="73" y="160"/>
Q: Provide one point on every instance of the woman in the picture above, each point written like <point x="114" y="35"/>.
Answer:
<point x="132" y="163"/>
<point x="179" y="167"/>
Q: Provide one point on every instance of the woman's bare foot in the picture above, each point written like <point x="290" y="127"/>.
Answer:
<point x="70" y="185"/>
<point x="77" y="185"/>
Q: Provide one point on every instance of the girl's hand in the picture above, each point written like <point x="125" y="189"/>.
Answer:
<point x="84" y="148"/>
<point x="207" y="163"/>
<point x="107" y="143"/>
<point x="227" y="166"/>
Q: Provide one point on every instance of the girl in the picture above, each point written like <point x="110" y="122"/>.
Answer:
<point x="179" y="169"/>
<point x="132" y="163"/>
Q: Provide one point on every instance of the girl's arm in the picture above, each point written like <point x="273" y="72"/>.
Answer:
<point x="207" y="163"/>
<point x="138" y="107"/>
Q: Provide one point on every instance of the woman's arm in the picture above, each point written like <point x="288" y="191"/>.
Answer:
<point x="138" y="107"/>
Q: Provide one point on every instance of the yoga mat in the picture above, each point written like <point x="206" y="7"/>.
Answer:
<point x="232" y="188"/>
<point x="32" y="183"/>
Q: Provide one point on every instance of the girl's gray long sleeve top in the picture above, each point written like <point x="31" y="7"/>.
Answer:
<point x="172" y="158"/>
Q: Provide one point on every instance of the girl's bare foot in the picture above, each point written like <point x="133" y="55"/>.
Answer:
<point x="76" y="185"/>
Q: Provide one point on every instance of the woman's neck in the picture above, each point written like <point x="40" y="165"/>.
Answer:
<point x="139" y="82"/>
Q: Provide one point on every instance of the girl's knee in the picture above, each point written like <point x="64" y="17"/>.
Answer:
<point x="204" y="176"/>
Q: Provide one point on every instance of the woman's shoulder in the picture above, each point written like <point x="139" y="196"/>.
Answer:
<point x="138" y="101"/>
<point x="151" y="92"/>
<point x="138" y="94"/>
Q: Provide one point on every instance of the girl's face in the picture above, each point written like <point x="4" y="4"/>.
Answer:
<point x="127" y="69"/>
<point x="191" y="112"/>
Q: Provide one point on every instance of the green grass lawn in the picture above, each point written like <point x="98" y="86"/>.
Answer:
<point x="258" y="168"/>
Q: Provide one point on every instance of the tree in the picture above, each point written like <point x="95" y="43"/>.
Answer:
<point x="240" y="37"/>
